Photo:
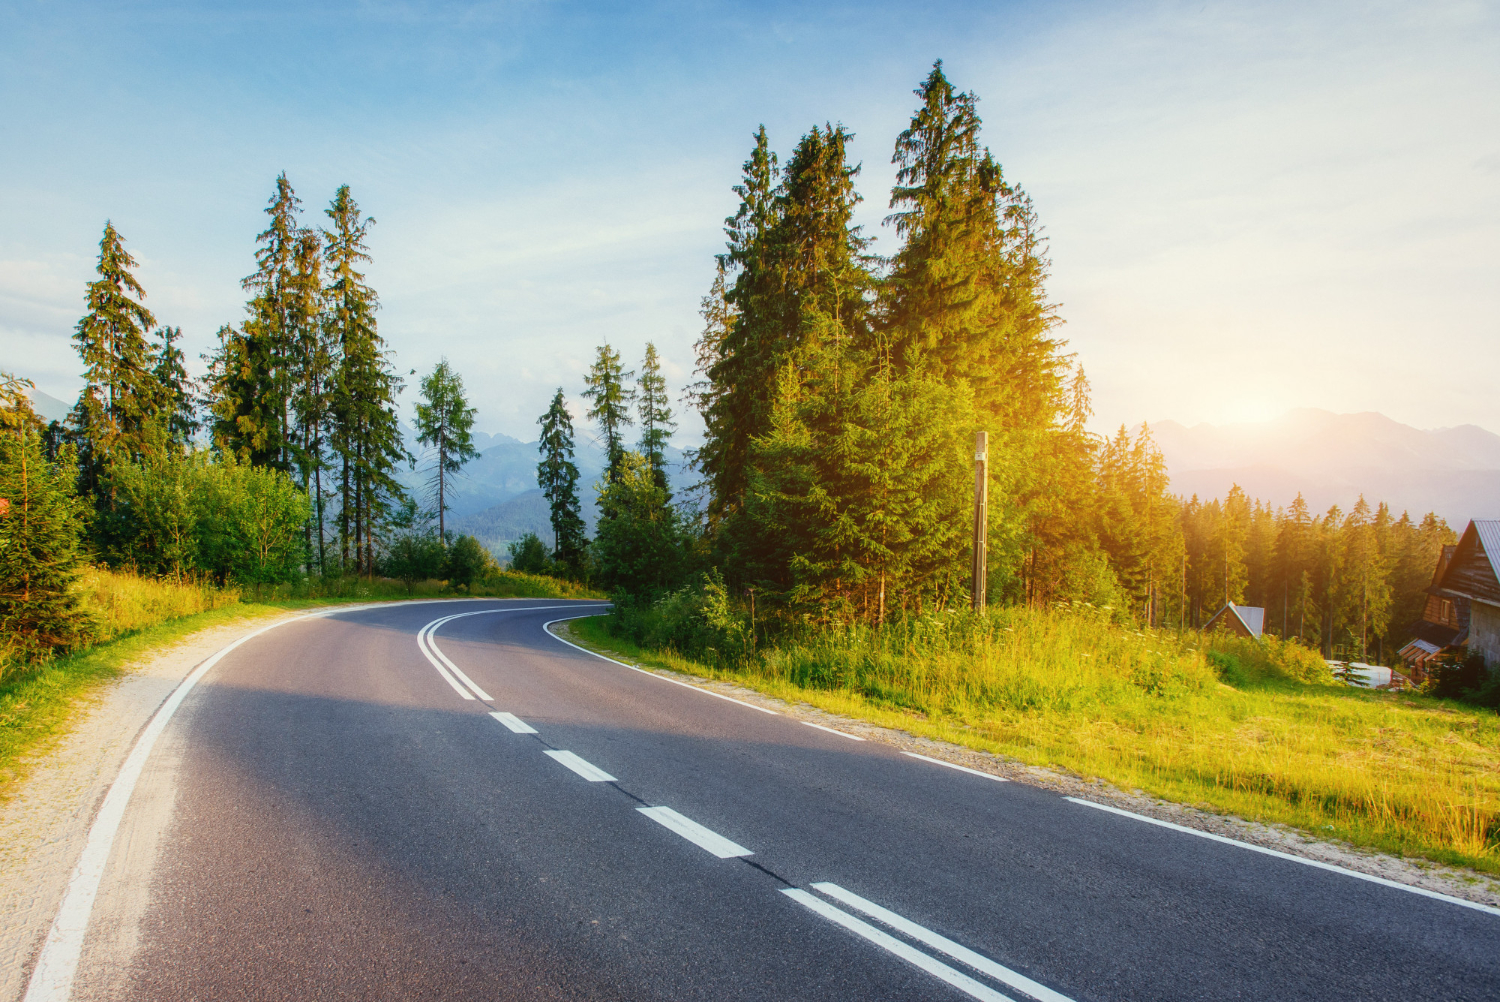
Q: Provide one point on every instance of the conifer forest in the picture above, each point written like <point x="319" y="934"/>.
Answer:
<point x="840" y="393"/>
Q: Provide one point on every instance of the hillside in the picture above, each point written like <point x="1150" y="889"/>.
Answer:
<point x="1333" y="458"/>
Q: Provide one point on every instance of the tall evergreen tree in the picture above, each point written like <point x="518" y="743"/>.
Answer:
<point x="365" y="434"/>
<point x="656" y="416"/>
<point x="611" y="400"/>
<point x="557" y="475"/>
<point x="41" y="522"/>
<point x="121" y="395"/>
<point x="179" y="392"/>
<point x="444" y="423"/>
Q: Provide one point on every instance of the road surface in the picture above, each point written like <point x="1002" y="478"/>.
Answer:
<point x="338" y="810"/>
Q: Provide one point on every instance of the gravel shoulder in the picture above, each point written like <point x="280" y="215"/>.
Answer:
<point x="1455" y="881"/>
<point x="44" y="824"/>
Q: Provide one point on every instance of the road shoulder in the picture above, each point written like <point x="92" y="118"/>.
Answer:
<point x="45" y="821"/>
<point x="1458" y="882"/>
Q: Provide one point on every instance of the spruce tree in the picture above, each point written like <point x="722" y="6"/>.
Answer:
<point x="557" y="475"/>
<point x="178" y="390"/>
<point x="41" y="523"/>
<point x="365" y="434"/>
<point x="444" y="424"/>
<point x="656" y="416"/>
<point x="611" y="400"/>
<point x="120" y="396"/>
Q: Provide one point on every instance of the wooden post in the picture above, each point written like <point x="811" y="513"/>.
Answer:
<point x="981" y="516"/>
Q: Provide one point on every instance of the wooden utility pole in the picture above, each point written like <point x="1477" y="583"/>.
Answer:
<point x="981" y="516"/>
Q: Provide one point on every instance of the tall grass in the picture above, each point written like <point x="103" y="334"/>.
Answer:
<point x="1257" y="729"/>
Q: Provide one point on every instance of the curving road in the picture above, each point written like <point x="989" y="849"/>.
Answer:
<point x="370" y="806"/>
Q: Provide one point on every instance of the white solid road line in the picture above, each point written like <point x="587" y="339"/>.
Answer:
<point x="583" y="767"/>
<point x="963" y="954"/>
<point x="1295" y="859"/>
<point x="952" y="765"/>
<point x="422" y="646"/>
<point x="649" y="674"/>
<point x="830" y="730"/>
<point x="52" y="978"/>
<point x="704" y="838"/>
<point x="905" y="951"/>
<point x="432" y="645"/>
<point x="515" y="723"/>
<point x="427" y="644"/>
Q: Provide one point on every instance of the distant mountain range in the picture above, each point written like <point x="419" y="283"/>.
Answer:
<point x="1331" y="459"/>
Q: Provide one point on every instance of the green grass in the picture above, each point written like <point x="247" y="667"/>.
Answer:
<point x="1256" y="731"/>
<point x="38" y="705"/>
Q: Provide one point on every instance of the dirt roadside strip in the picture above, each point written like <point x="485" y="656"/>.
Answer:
<point x="1457" y="882"/>
<point x="45" y="823"/>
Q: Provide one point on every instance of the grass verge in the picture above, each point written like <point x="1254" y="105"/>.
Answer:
<point x="131" y="616"/>
<point x="1151" y="713"/>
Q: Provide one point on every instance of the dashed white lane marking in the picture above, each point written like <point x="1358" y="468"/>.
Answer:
<point x="515" y="723"/>
<point x="905" y="951"/>
<point x="963" y="954"/>
<point x="830" y="730"/>
<point x="951" y="765"/>
<point x="583" y="767"/>
<point x="1424" y="892"/>
<point x="648" y="674"/>
<point x="704" y="838"/>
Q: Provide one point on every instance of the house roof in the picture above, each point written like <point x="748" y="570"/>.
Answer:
<point x="1251" y="617"/>
<point x="1472" y="571"/>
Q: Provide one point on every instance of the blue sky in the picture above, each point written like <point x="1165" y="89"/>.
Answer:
<point x="1251" y="207"/>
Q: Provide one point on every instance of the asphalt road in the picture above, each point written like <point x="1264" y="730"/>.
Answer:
<point x="327" y="818"/>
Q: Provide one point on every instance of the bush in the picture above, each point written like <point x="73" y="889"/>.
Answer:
<point x="467" y="561"/>
<point x="641" y="549"/>
<point x="200" y="514"/>
<point x="413" y="552"/>
<point x="1241" y="661"/>
<point x="41" y="522"/>
<point x="528" y="555"/>
<point x="1463" y="676"/>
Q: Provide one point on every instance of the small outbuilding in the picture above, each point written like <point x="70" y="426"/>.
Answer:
<point x="1241" y="620"/>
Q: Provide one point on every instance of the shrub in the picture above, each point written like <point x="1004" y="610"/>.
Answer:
<point x="528" y="555"/>
<point x="640" y="548"/>
<point x="41" y="521"/>
<point x="199" y="514"/>
<point x="467" y="561"/>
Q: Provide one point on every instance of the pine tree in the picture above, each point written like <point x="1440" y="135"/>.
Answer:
<point x="316" y="361"/>
<point x="41" y="523"/>
<point x="611" y="405"/>
<point x="656" y="416"/>
<point x="120" y="395"/>
<point x="444" y="423"/>
<point x="365" y="433"/>
<point x="178" y="390"/>
<point x="557" y="475"/>
<point x="259" y="427"/>
<point x="736" y="400"/>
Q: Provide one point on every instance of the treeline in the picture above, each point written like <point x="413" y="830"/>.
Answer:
<point x="841" y="392"/>
<point x="280" y="465"/>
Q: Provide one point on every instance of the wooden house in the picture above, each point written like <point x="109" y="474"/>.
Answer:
<point x="1444" y="626"/>
<point x="1241" y="620"/>
<point x="1471" y="575"/>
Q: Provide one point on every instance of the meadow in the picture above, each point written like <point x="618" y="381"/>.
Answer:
<point x="1259" y="730"/>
